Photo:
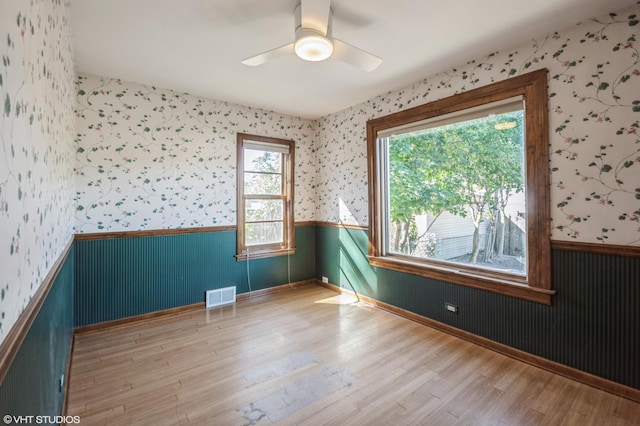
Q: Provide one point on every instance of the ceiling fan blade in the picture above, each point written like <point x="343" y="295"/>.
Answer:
<point x="353" y="56"/>
<point x="269" y="55"/>
<point x="314" y="14"/>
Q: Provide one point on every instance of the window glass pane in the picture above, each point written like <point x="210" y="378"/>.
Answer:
<point x="456" y="193"/>
<point x="262" y="210"/>
<point x="262" y="183"/>
<point x="262" y="161"/>
<point x="263" y="233"/>
<point x="265" y="186"/>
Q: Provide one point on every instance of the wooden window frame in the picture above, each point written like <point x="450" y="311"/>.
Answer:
<point x="288" y="229"/>
<point x="537" y="286"/>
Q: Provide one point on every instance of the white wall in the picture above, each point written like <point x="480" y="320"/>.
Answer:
<point x="149" y="158"/>
<point x="594" y="100"/>
<point x="36" y="148"/>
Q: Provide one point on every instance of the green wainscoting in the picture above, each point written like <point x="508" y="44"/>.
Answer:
<point x="31" y="386"/>
<point x="593" y="325"/>
<point x="123" y="277"/>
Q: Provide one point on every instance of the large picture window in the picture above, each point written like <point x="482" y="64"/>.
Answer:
<point x="459" y="189"/>
<point x="265" y="196"/>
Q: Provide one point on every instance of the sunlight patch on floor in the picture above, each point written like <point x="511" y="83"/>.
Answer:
<point x="340" y="299"/>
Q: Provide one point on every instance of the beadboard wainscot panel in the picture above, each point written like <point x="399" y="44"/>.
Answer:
<point x="31" y="385"/>
<point x="593" y="324"/>
<point x="120" y="275"/>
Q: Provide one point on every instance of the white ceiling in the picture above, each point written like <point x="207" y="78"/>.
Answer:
<point x="196" y="46"/>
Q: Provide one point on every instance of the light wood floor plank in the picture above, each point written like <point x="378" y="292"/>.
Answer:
<point x="309" y="356"/>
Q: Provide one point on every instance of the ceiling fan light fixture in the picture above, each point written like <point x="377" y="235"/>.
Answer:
<point x="314" y="41"/>
<point x="313" y="47"/>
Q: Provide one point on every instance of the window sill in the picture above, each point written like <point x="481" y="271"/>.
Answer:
<point x="495" y="285"/>
<point x="264" y="254"/>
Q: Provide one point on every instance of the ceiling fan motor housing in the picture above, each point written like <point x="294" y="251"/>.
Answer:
<point x="312" y="43"/>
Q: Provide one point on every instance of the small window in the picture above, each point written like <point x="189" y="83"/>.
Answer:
<point x="265" y="196"/>
<point x="460" y="189"/>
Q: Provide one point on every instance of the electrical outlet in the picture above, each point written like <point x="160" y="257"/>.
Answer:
<point x="325" y="280"/>
<point x="451" y="308"/>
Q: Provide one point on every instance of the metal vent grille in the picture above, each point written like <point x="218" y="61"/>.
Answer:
<point x="220" y="296"/>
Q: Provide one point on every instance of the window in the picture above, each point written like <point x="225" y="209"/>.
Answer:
<point x="265" y="196"/>
<point x="459" y="189"/>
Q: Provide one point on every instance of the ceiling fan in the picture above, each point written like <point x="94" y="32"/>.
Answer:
<point x="314" y="41"/>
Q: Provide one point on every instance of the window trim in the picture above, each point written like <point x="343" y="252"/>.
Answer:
<point x="266" y="250"/>
<point x="537" y="287"/>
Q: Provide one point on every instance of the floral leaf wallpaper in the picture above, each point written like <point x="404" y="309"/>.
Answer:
<point x="138" y="157"/>
<point x="150" y="158"/>
<point x="594" y="114"/>
<point x="36" y="148"/>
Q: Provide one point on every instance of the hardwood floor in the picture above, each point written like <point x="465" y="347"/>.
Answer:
<point x="308" y="356"/>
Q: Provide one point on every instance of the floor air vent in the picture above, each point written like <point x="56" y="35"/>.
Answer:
<point x="220" y="296"/>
